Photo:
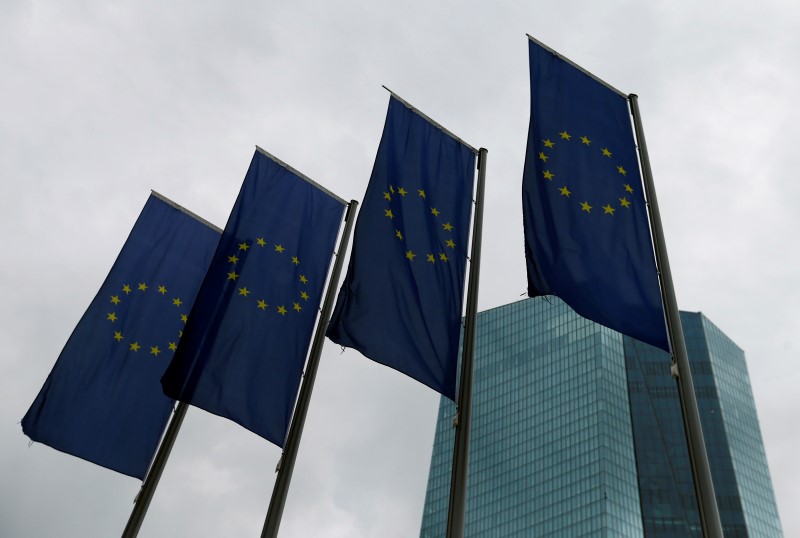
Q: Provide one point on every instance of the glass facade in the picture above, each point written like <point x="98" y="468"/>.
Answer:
<point x="559" y="448"/>
<point x="551" y="452"/>
<point x="730" y="427"/>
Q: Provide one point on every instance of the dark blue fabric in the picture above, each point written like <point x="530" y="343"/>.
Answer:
<point x="587" y="238"/>
<point x="102" y="401"/>
<point x="401" y="300"/>
<point x="243" y="351"/>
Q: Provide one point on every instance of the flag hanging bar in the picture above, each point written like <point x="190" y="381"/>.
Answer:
<point x="182" y="209"/>
<point x="458" y="481"/>
<point x="289" y="456"/>
<point x="301" y="175"/>
<point x="698" y="456"/>
<point x="579" y="68"/>
<point x="150" y="483"/>
<point x="426" y="118"/>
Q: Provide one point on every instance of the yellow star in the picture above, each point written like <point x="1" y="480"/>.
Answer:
<point x="233" y="275"/>
<point x="142" y="286"/>
<point x="117" y="336"/>
<point x="177" y="301"/>
<point x="421" y="193"/>
<point x="262" y="304"/>
<point x="398" y="234"/>
<point x="543" y="157"/>
<point x="431" y="258"/>
<point x="180" y="334"/>
<point x="447" y="226"/>
<point x="434" y="212"/>
<point x="565" y="191"/>
<point x="401" y="191"/>
<point x="606" y="152"/>
<point x="126" y="289"/>
<point x="154" y="350"/>
<point x="624" y="202"/>
<point x="304" y="296"/>
<point x="279" y="248"/>
<point x="629" y="188"/>
<point x="184" y="318"/>
<point x="608" y="210"/>
<point x="281" y="311"/>
<point x="548" y="175"/>
<point x="389" y="213"/>
<point x="410" y="255"/>
<point x="243" y="246"/>
<point x="112" y="317"/>
<point x="303" y="279"/>
<point x="443" y="257"/>
<point x="295" y="260"/>
<point x="391" y="189"/>
<point x="450" y="243"/>
<point x="548" y="144"/>
<point x="621" y="171"/>
<point x="233" y="259"/>
<point x="585" y="140"/>
<point x="261" y="242"/>
<point x="173" y="346"/>
<point x="586" y="207"/>
<point x="387" y="196"/>
<point x="244" y="292"/>
<point x="162" y="290"/>
<point x="297" y="307"/>
<point x="115" y="299"/>
<point x="565" y="135"/>
<point x="135" y="346"/>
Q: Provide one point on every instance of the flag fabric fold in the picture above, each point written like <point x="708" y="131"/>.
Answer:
<point x="401" y="301"/>
<point x="587" y="238"/>
<point x="102" y="401"/>
<point x="245" y="344"/>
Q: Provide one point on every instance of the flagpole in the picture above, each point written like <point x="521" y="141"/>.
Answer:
<point x="463" y="421"/>
<point x="698" y="456"/>
<point x="142" y="501"/>
<point x="289" y="456"/>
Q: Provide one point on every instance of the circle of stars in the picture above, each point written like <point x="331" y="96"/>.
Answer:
<point x="261" y="303"/>
<point x="447" y="247"/>
<point x="585" y="206"/>
<point x="138" y="345"/>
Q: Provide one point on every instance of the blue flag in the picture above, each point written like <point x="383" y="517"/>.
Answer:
<point x="401" y="301"/>
<point x="102" y="401"/>
<point x="244" y="347"/>
<point x="587" y="238"/>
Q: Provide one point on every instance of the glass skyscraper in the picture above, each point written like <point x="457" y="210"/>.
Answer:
<point x="577" y="431"/>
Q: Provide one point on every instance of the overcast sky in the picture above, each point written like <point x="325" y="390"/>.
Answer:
<point x="102" y="101"/>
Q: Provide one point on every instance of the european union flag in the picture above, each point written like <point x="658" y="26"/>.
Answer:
<point x="401" y="301"/>
<point x="102" y="401"/>
<point x="587" y="238"/>
<point x="244" y="347"/>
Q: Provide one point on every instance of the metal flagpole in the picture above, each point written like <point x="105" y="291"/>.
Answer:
<point x="286" y="463"/>
<point x="154" y="474"/>
<point x="703" y="485"/>
<point x="463" y="420"/>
